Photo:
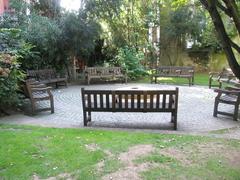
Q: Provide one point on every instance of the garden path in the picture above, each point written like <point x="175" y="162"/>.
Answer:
<point x="194" y="113"/>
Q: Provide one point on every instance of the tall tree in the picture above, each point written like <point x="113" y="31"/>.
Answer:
<point x="231" y="9"/>
<point x="48" y="8"/>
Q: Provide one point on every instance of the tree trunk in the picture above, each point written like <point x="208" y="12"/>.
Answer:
<point x="234" y="13"/>
<point x="210" y="5"/>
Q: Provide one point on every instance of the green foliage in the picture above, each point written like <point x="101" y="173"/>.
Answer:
<point x="45" y="35"/>
<point x="78" y="34"/>
<point x="47" y="8"/>
<point x="130" y="59"/>
<point x="13" y="49"/>
<point x="57" y="36"/>
<point x="124" y="22"/>
<point x="12" y="42"/>
<point x="10" y="76"/>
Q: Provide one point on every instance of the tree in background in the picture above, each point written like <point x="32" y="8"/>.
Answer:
<point x="48" y="8"/>
<point x="179" y="24"/>
<point x="229" y="8"/>
<point x="79" y="35"/>
<point x="127" y="23"/>
<point x="56" y="35"/>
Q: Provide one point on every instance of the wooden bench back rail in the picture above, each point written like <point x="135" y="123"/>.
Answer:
<point x="47" y="76"/>
<point x="104" y="72"/>
<point x="174" y="71"/>
<point x="225" y="75"/>
<point x="42" y="74"/>
<point x="130" y="101"/>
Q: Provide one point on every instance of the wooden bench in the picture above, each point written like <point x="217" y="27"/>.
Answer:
<point x="231" y="96"/>
<point x="36" y="92"/>
<point x="104" y="72"/>
<point x="174" y="71"/>
<point x="225" y="75"/>
<point x="47" y="76"/>
<point x="130" y="101"/>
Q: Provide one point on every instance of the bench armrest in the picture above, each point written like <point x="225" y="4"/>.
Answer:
<point x="225" y="91"/>
<point x="41" y="89"/>
<point x="214" y="74"/>
<point x="38" y="85"/>
<point x="233" y="89"/>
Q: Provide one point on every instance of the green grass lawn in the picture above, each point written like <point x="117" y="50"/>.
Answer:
<point x="200" y="79"/>
<point x="27" y="152"/>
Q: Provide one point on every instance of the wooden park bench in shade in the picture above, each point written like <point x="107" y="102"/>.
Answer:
<point x="104" y="72"/>
<point x="175" y="72"/>
<point x="37" y="92"/>
<point x="47" y="76"/>
<point x="225" y="75"/>
<point x="230" y="96"/>
<point x="159" y="101"/>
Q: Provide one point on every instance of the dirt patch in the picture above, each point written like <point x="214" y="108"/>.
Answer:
<point x="202" y="152"/>
<point x="233" y="158"/>
<point x="92" y="147"/>
<point x="230" y="154"/>
<point x="131" y="170"/>
<point x="177" y="154"/>
<point x="101" y="164"/>
<point x="64" y="176"/>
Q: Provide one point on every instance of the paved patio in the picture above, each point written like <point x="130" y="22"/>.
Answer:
<point x="194" y="113"/>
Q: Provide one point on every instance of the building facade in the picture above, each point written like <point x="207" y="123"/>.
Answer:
<point x="4" y="6"/>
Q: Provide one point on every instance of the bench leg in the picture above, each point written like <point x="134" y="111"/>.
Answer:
<point x="235" y="116"/>
<point x="33" y="108"/>
<point x="88" y="81"/>
<point x="84" y="118"/>
<point x="172" y="117"/>
<point x="210" y="83"/>
<point x="220" y="84"/>
<point x="52" y="104"/>
<point x="215" y="107"/>
<point x="174" y="120"/>
<point x="89" y="116"/>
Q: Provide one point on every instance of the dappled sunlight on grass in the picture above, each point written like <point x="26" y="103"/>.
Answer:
<point x="199" y="79"/>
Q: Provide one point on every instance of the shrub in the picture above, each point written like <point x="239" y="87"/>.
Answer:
<point x="10" y="76"/>
<point x="13" y="50"/>
<point x="130" y="60"/>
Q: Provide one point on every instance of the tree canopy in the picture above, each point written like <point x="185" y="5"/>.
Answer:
<point x="101" y="28"/>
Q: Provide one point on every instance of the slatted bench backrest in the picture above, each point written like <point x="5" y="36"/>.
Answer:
<point x="94" y="71"/>
<point x="130" y="101"/>
<point x="42" y="74"/>
<point x="175" y="70"/>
